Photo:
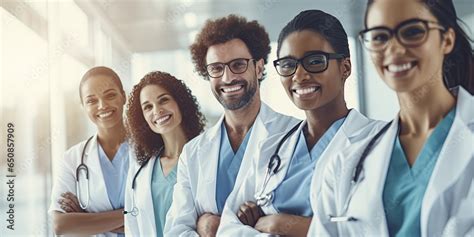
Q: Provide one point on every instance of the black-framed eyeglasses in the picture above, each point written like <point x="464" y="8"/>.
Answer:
<point x="236" y="66"/>
<point x="312" y="61"/>
<point x="410" y="33"/>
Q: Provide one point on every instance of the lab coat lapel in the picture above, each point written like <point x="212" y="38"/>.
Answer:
<point x="353" y="125"/>
<point x="376" y="164"/>
<point x="350" y="132"/>
<point x="99" y="199"/>
<point x="454" y="157"/>
<point x="259" y="132"/>
<point x="375" y="172"/>
<point x="285" y="153"/>
<point x="147" y="221"/>
<point x="208" y="154"/>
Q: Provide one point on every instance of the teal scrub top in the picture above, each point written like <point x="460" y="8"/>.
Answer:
<point x="292" y="195"/>
<point x="115" y="174"/>
<point x="228" y="167"/>
<point x="405" y="187"/>
<point x="162" y="194"/>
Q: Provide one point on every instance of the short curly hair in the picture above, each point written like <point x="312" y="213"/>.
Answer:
<point x="224" y="29"/>
<point x="147" y="143"/>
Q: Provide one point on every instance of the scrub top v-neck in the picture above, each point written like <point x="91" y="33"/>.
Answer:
<point x="292" y="196"/>
<point x="228" y="166"/>
<point x="162" y="193"/>
<point x="405" y="186"/>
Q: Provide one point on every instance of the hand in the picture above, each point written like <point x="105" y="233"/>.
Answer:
<point x="69" y="203"/>
<point x="119" y="230"/>
<point x="272" y="224"/>
<point x="207" y="224"/>
<point x="249" y="213"/>
<point x="284" y="224"/>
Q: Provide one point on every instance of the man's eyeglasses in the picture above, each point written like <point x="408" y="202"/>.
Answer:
<point x="313" y="62"/>
<point x="236" y="66"/>
<point x="410" y="33"/>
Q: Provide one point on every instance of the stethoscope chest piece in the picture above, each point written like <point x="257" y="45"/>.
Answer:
<point x="134" y="211"/>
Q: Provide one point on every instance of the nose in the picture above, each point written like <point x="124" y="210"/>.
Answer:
<point x="395" y="47"/>
<point x="102" y="104"/>
<point x="300" y="75"/>
<point x="228" y="75"/>
<point x="157" y="110"/>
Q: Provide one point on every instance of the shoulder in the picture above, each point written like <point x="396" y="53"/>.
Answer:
<point x="357" y="126"/>
<point x="72" y="156"/>
<point x="289" y="135"/>
<point x="194" y="143"/>
<point x="465" y="107"/>
<point x="75" y="151"/>
<point x="276" y="122"/>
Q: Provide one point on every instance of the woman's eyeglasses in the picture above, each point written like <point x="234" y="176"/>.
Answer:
<point x="410" y="33"/>
<point x="313" y="62"/>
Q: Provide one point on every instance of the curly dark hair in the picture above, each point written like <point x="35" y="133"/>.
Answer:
<point x="224" y="29"/>
<point x="147" y="143"/>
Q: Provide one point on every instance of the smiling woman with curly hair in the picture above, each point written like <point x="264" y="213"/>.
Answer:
<point x="162" y="116"/>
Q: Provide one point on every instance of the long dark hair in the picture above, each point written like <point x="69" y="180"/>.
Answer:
<point x="147" y="143"/>
<point x="458" y="68"/>
<point x="328" y="26"/>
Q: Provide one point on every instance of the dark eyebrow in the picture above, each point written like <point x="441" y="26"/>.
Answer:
<point x="109" y="90"/>
<point x="164" y="94"/>
<point x="313" y="52"/>
<point x="145" y="102"/>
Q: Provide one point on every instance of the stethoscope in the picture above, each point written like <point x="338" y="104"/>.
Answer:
<point x="84" y="168"/>
<point x="357" y="177"/>
<point x="272" y="168"/>
<point x="134" y="211"/>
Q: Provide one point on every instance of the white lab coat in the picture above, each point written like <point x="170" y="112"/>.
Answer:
<point x="195" y="191"/>
<point x="354" y="128"/>
<point x="65" y="180"/>
<point x="448" y="204"/>
<point x="144" y="223"/>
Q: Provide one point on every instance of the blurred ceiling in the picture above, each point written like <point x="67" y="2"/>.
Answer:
<point x="151" y="25"/>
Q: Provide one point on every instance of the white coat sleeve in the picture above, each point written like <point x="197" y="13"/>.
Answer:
<point x="130" y="221"/>
<point x="230" y="224"/>
<point x="326" y="203"/>
<point x="64" y="180"/>
<point x="182" y="216"/>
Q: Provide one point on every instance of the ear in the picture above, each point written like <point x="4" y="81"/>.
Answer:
<point x="449" y="38"/>
<point x="346" y="68"/>
<point x="259" y="68"/>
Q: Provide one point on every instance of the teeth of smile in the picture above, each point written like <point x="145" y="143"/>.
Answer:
<point x="399" y="68"/>
<point x="231" y="89"/>
<point x="103" y="115"/>
<point x="304" y="91"/>
<point x="162" y="119"/>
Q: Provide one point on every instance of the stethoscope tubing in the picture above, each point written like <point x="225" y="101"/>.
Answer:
<point x="134" y="211"/>
<point x="272" y="168"/>
<point x="83" y="166"/>
<point x="357" y="177"/>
